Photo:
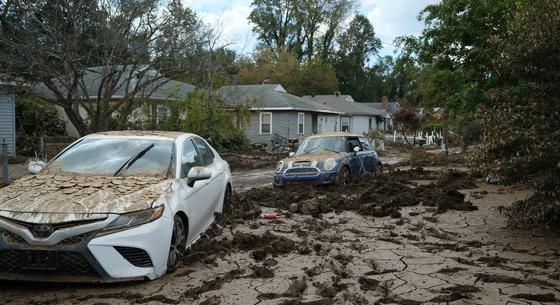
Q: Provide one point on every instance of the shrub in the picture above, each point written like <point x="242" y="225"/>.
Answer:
<point x="203" y="113"/>
<point x="39" y="118"/>
<point x="521" y="126"/>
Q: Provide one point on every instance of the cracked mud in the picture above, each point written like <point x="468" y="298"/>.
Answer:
<point x="418" y="236"/>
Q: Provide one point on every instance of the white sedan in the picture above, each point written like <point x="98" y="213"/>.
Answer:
<point x="114" y="206"/>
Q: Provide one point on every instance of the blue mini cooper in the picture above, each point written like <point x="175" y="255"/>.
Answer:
<point x="328" y="158"/>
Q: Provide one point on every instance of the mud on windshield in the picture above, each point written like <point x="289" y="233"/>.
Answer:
<point x="115" y="157"/>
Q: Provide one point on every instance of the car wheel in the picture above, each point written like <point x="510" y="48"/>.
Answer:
<point x="178" y="244"/>
<point x="343" y="176"/>
<point x="379" y="169"/>
<point x="227" y="195"/>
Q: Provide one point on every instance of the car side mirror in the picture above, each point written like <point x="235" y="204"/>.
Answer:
<point x="291" y="154"/>
<point x="198" y="173"/>
<point x="35" y="167"/>
<point x="356" y="149"/>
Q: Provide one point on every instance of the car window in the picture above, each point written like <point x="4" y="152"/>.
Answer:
<point x="107" y="156"/>
<point x="189" y="158"/>
<point x="351" y="143"/>
<point x="205" y="152"/>
<point x="365" y="144"/>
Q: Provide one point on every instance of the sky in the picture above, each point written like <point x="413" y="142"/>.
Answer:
<point x="390" y="18"/>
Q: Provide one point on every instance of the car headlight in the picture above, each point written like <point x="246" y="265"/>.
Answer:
<point x="134" y="219"/>
<point x="280" y="166"/>
<point x="329" y="164"/>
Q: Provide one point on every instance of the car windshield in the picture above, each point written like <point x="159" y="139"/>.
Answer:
<point x="115" y="156"/>
<point x="336" y="144"/>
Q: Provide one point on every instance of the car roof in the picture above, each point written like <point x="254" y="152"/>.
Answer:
<point x="172" y="135"/>
<point x="335" y="134"/>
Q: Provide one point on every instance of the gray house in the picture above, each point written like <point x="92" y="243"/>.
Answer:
<point x="354" y="117"/>
<point x="8" y="122"/>
<point x="391" y="108"/>
<point x="128" y="82"/>
<point x="274" y="111"/>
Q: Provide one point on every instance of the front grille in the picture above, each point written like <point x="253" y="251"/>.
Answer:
<point x="135" y="256"/>
<point x="8" y="261"/>
<point x="302" y="164"/>
<point x="55" y="226"/>
<point x="69" y="264"/>
<point x="74" y="240"/>
<point x="302" y="171"/>
<point x="12" y="238"/>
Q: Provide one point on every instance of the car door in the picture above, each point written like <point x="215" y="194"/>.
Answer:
<point x="216" y="184"/>
<point x="197" y="196"/>
<point x="368" y="155"/>
<point x="356" y="158"/>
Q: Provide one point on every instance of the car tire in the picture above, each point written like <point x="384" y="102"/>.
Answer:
<point x="227" y="195"/>
<point x="379" y="169"/>
<point x="343" y="176"/>
<point x="178" y="245"/>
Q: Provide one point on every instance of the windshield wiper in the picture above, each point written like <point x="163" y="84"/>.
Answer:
<point x="131" y="161"/>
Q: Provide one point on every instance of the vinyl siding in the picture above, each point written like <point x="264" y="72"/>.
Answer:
<point x="8" y="122"/>
<point x="284" y="123"/>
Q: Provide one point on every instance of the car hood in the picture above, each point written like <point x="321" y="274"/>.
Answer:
<point x="315" y="156"/>
<point x="70" y="198"/>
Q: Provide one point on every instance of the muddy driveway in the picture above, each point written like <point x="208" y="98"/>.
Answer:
<point x="373" y="244"/>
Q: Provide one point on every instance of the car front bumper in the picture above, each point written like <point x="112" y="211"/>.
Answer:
<point x="135" y="254"/>
<point x="322" y="178"/>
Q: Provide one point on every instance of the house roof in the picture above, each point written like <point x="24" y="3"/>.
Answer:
<point x="392" y="107"/>
<point x="345" y="104"/>
<point x="148" y="82"/>
<point x="269" y="97"/>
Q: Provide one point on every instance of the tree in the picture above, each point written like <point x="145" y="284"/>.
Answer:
<point x="313" y="76"/>
<point x="454" y="49"/>
<point x="521" y="126"/>
<point x="407" y="120"/>
<point x="296" y="26"/>
<point x="55" y="42"/>
<point x="355" y="47"/>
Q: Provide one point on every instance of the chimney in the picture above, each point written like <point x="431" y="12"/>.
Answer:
<point x="267" y="81"/>
<point x="385" y="102"/>
<point x="337" y="93"/>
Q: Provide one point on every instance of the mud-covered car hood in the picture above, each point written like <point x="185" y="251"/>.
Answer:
<point x="315" y="156"/>
<point x="71" y="197"/>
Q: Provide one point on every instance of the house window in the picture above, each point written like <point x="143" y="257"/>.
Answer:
<point x="345" y="123"/>
<point x="301" y="123"/>
<point x="266" y="122"/>
<point x="162" y="114"/>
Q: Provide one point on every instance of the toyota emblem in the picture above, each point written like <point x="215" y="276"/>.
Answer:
<point x="42" y="230"/>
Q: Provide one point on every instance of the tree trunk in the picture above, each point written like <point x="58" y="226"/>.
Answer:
<point x="77" y="121"/>
<point x="406" y="139"/>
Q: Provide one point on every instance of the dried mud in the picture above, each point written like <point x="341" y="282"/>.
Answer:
<point x="62" y="198"/>
<point x="411" y="237"/>
<point x="252" y="160"/>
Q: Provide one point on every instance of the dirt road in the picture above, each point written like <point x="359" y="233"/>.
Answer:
<point x="345" y="256"/>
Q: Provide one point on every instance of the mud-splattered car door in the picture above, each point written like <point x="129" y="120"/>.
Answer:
<point x="356" y="158"/>
<point x="216" y="183"/>
<point x="368" y="155"/>
<point x="196" y="196"/>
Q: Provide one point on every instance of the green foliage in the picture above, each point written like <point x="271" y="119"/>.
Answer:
<point x="375" y="135"/>
<point x="293" y="25"/>
<point x="313" y="76"/>
<point x="39" y="118"/>
<point x="356" y="45"/>
<point x="204" y="114"/>
<point x="522" y="129"/>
